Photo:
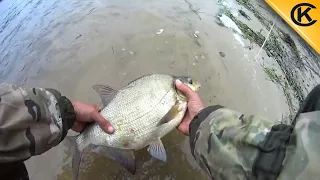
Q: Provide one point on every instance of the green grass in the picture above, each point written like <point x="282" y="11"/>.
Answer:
<point x="273" y="76"/>
<point x="248" y="33"/>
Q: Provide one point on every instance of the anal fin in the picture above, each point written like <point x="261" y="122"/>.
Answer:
<point x="124" y="157"/>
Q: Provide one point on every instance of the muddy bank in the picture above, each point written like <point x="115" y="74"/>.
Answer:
<point x="294" y="66"/>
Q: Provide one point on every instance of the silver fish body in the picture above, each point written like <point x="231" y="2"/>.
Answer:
<point x="142" y="112"/>
<point x="135" y="113"/>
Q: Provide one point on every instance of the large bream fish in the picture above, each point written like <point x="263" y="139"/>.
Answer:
<point x="142" y="112"/>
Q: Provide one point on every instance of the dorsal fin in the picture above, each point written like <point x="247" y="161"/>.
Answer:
<point x="105" y="92"/>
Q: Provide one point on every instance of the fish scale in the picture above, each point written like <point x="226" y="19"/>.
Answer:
<point x="130" y="115"/>
<point x="144" y="128"/>
<point x="141" y="113"/>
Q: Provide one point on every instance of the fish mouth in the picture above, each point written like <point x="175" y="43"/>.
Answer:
<point x="197" y="87"/>
<point x="194" y="87"/>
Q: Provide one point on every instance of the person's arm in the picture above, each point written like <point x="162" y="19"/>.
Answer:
<point x="226" y="143"/>
<point x="33" y="120"/>
<point x="230" y="145"/>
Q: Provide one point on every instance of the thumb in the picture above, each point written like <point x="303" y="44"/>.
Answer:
<point x="185" y="89"/>
<point x="103" y="123"/>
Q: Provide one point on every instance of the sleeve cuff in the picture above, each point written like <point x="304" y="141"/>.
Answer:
<point x="199" y="118"/>
<point x="67" y="111"/>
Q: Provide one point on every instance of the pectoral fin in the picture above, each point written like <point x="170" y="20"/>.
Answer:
<point x="124" y="157"/>
<point x="105" y="92"/>
<point x="171" y="114"/>
<point x="156" y="149"/>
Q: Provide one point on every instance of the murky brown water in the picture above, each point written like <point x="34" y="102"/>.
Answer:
<point x="72" y="45"/>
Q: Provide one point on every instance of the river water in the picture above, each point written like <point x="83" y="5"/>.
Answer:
<point x="72" y="45"/>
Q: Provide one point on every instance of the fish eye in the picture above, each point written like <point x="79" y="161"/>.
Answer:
<point x="190" y="81"/>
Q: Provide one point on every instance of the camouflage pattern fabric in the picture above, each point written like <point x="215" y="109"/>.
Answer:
<point x="225" y="144"/>
<point x="302" y="158"/>
<point x="30" y="122"/>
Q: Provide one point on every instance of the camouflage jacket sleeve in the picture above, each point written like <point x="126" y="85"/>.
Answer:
<point x="31" y="121"/>
<point x="226" y="143"/>
<point x="230" y="145"/>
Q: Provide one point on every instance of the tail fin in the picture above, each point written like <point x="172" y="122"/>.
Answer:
<point x="70" y="142"/>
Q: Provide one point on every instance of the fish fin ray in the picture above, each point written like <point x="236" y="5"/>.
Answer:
<point x="171" y="114"/>
<point x="105" y="92"/>
<point x="156" y="149"/>
<point x="70" y="142"/>
<point x="124" y="157"/>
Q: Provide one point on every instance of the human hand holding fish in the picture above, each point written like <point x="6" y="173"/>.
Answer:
<point x="195" y="105"/>
<point x="141" y="113"/>
<point x="87" y="113"/>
